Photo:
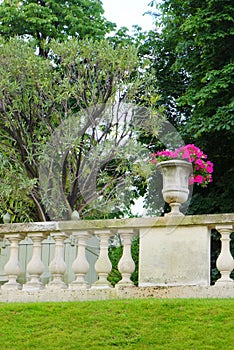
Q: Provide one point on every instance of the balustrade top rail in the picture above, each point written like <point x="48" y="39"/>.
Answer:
<point x="210" y="220"/>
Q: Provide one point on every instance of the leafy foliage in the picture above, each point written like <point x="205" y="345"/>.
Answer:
<point x="46" y="20"/>
<point x="193" y="56"/>
<point x="14" y="189"/>
<point x="59" y="112"/>
<point x="194" y="52"/>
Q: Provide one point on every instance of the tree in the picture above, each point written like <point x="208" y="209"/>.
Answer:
<point x="57" y="119"/>
<point x="14" y="189"/>
<point x="193" y="62"/>
<point x="46" y="20"/>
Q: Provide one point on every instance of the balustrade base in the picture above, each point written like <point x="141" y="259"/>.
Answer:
<point x="49" y="295"/>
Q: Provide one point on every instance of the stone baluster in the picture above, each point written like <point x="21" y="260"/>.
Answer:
<point x="35" y="267"/>
<point x="225" y="262"/>
<point x="12" y="268"/>
<point x="126" y="265"/>
<point x="80" y="266"/>
<point x="57" y="266"/>
<point x="103" y="264"/>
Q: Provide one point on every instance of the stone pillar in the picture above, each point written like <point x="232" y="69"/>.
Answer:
<point x="57" y="266"/>
<point x="171" y="255"/>
<point x="126" y="265"/>
<point x="225" y="262"/>
<point x="80" y="266"/>
<point x="12" y="267"/>
<point x="103" y="264"/>
<point x="35" y="267"/>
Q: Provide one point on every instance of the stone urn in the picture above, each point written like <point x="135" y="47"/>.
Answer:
<point x="175" y="175"/>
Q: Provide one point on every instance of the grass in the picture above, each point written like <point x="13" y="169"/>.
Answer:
<point x="157" y="324"/>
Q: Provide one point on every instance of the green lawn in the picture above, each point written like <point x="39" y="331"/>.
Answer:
<point x="157" y="324"/>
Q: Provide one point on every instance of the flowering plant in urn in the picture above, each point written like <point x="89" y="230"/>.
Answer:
<point x="202" y="168"/>
<point x="180" y="168"/>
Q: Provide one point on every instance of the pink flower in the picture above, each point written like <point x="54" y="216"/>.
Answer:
<point x="186" y="154"/>
<point x="198" y="179"/>
<point x="209" y="167"/>
<point x="200" y="163"/>
<point x="202" y="169"/>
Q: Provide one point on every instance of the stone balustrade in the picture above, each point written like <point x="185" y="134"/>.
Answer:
<point x="174" y="256"/>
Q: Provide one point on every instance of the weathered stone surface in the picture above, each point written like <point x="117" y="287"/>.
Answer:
<point x="174" y="256"/>
<point x="29" y="227"/>
<point x="174" y="259"/>
<point x="210" y="220"/>
<point x="117" y="293"/>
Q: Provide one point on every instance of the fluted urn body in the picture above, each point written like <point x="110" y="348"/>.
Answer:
<point x="175" y="175"/>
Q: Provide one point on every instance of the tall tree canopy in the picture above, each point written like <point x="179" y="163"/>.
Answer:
<point x="193" y="61"/>
<point x="195" y="49"/>
<point x="58" y="19"/>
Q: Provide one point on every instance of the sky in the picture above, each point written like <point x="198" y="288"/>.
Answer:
<point x="128" y="12"/>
